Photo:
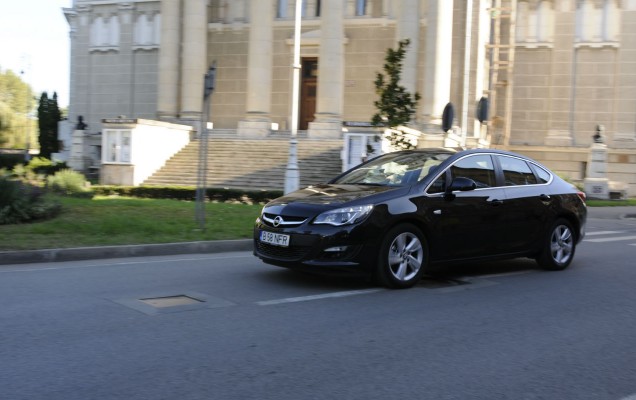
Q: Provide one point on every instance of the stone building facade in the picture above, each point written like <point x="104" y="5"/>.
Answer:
<point x="574" y="67"/>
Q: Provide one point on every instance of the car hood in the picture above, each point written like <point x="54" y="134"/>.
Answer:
<point x="329" y="196"/>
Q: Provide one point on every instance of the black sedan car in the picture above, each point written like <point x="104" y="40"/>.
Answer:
<point x="399" y="213"/>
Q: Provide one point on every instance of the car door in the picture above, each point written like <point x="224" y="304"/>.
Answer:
<point x="527" y="204"/>
<point x="466" y="224"/>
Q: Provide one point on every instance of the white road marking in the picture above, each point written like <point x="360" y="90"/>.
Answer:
<point x="318" y="297"/>
<point x="612" y="239"/>
<point x="602" y="233"/>
<point x="632" y="397"/>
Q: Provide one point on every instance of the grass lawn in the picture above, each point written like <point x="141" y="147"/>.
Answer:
<point x="115" y="220"/>
<point x="611" y="203"/>
<point x="106" y="221"/>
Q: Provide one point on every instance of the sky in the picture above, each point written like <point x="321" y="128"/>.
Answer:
<point x="34" y="38"/>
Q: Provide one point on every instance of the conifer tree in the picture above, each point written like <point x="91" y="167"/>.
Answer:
<point x="48" y="116"/>
<point x="396" y="106"/>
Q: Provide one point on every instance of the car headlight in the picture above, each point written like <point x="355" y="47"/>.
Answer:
<point x="344" y="216"/>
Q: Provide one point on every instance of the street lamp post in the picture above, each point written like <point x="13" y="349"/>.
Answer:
<point x="292" y="175"/>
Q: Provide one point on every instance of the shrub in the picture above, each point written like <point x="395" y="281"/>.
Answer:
<point x="44" y="166"/>
<point x="10" y="160"/>
<point x="69" y="183"/>
<point x="20" y="202"/>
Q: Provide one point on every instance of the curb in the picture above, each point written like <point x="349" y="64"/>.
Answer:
<point x="143" y="250"/>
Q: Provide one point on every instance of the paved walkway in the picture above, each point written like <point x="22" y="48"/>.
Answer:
<point x="216" y="246"/>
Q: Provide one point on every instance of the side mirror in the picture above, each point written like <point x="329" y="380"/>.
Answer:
<point x="460" y="184"/>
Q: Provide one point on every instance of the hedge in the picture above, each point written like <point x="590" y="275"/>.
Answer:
<point x="188" y="193"/>
<point x="10" y="160"/>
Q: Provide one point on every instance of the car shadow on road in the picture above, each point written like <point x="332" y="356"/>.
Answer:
<point x="437" y="276"/>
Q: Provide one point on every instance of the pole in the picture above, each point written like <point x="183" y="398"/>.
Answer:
<point x="292" y="175"/>
<point x="466" y="83"/>
<point x="209" y="81"/>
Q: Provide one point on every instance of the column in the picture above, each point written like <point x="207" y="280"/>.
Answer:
<point x="168" y="88"/>
<point x="194" y="58"/>
<point x="437" y="64"/>
<point x="126" y="61"/>
<point x="259" y="70"/>
<point x="408" y="28"/>
<point x="329" y="105"/>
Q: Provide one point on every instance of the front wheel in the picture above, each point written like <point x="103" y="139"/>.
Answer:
<point x="403" y="257"/>
<point x="559" y="246"/>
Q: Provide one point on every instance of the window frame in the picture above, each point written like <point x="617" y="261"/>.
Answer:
<point x="500" y="166"/>
<point x="122" y="152"/>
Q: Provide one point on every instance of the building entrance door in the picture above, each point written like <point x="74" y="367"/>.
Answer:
<point x="308" y="92"/>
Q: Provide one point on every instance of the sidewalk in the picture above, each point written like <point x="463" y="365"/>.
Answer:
<point x="216" y="246"/>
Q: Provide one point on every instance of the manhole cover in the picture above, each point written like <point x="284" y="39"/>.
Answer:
<point x="171" y="301"/>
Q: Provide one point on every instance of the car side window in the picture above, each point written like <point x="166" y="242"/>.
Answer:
<point x="439" y="185"/>
<point x="516" y="171"/>
<point x="478" y="167"/>
<point x="544" y="176"/>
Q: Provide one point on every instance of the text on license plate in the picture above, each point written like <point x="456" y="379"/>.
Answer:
<point x="277" y="239"/>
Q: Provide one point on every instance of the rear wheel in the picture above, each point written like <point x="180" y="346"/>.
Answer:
<point x="559" y="247"/>
<point x="403" y="257"/>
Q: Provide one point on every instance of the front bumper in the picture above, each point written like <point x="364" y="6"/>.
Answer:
<point x="324" y="248"/>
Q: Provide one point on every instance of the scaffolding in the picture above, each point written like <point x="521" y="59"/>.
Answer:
<point x="502" y="56"/>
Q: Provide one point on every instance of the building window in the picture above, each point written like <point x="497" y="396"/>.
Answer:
<point x="117" y="146"/>
<point x="597" y="21"/>
<point x="535" y="22"/>
<point x="147" y="30"/>
<point x="281" y="9"/>
<point x="105" y="32"/>
<point x="361" y="8"/>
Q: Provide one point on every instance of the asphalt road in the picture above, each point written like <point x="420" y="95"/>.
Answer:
<point x="226" y="326"/>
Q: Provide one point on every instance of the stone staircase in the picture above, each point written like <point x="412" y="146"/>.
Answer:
<point x="251" y="163"/>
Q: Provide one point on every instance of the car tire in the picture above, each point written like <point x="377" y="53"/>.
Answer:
<point x="558" y="247"/>
<point x="403" y="257"/>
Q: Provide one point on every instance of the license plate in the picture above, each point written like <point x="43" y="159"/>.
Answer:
<point x="277" y="239"/>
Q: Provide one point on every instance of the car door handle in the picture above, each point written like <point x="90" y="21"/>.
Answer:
<point x="495" y="202"/>
<point x="545" y="197"/>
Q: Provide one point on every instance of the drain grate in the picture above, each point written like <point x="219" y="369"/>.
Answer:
<point x="171" y="301"/>
<point x="165" y="303"/>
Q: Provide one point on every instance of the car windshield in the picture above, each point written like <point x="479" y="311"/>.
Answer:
<point x="394" y="169"/>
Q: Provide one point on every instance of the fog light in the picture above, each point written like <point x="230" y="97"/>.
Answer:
<point x="337" y="249"/>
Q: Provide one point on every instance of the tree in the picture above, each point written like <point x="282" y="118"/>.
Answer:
<point x="396" y="106"/>
<point x="16" y="102"/>
<point x="48" y="117"/>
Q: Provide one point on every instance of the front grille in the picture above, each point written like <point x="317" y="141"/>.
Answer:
<point x="292" y="253"/>
<point x="284" y="220"/>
